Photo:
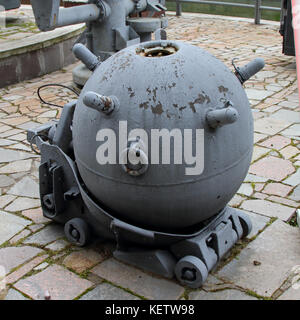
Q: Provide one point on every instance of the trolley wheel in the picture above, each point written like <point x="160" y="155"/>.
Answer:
<point x="246" y="224"/>
<point x="191" y="271"/>
<point x="77" y="232"/>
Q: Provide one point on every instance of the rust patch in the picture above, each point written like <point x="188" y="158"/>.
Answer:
<point x="124" y="62"/>
<point x="157" y="51"/>
<point x="171" y="115"/>
<point x="152" y="92"/>
<point x="175" y="105"/>
<point x="172" y="85"/>
<point x="144" y="105"/>
<point x="158" y="109"/>
<point x="131" y="92"/>
<point x="200" y="100"/>
<point x="223" y="89"/>
<point x="192" y="106"/>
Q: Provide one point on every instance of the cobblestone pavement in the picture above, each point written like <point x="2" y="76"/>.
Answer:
<point x="39" y="261"/>
<point x="20" y="24"/>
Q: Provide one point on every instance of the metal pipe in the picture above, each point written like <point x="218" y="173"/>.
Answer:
<point x="257" y="13"/>
<point x="246" y="72"/>
<point x="178" y="8"/>
<point x="100" y="103"/>
<point x="86" y="56"/>
<point x="78" y="14"/>
<point x="242" y="5"/>
<point x="270" y="8"/>
<point x="219" y="117"/>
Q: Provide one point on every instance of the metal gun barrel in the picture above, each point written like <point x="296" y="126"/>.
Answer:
<point x="78" y="14"/>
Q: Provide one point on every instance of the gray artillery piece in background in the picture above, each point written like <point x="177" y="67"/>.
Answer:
<point x="110" y="25"/>
<point x="10" y="4"/>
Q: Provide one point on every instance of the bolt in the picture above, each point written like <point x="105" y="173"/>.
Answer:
<point x="189" y="274"/>
<point x="75" y="234"/>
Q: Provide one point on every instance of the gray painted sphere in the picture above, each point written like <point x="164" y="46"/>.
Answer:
<point x="173" y="91"/>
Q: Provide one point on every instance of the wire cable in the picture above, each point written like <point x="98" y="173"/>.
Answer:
<point x="53" y="85"/>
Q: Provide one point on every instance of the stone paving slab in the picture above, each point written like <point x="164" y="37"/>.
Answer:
<point x="79" y="261"/>
<point x="23" y="203"/>
<point x="268" y="208"/>
<point x="259" y="222"/>
<point x="277" y="189"/>
<point x="294" y="179"/>
<point x="292" y="132"/>
<point x="35" y="215"/>
<point x="12" y="257"/>
<point x="6" y="181"/>
<point x="245" y="189"/>
<point x="12" y="155"/>
<point x="277" y="251"/>
<point x="272" y="168"/>
<point x="276" y="142"/>
<point x="106" y="291"/>
<point x="47" y="235"/>
<point x="10" y="225"/>
<point x="296" y="194"/>
<point x="56" y="280"/>
<point x="288" y="115"/>
<point x="57" y="245"/>
<point x="15" y="295"/>
<point x="17" y="166"/>
<point x="258" y="152"/>
<point x="285" y="201"/>
<point x="26" y="187"/>
<point x="41" y="266"/>
<point x="270" y="125"/>
<point x="36" y="227"/>
<point x="19" y="236"/>
<point x="137" y="281"/>
<point x="293" y="293"/>
<point x="230" y="294"/>
<point x="22" y="271"/>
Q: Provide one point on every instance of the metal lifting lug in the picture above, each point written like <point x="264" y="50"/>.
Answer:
<point x="82" y="53"/>
<point x="219" y="117"/>
<point x="246" y="72"/>
<point x="100" y="103"/>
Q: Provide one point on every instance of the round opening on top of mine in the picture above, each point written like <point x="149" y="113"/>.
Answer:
<point x="157" y="51"/>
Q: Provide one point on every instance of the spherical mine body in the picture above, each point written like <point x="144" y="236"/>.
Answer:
<point x="172" y="86"/>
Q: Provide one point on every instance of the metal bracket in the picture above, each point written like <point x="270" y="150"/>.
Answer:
<point x="161" y="262"/>
<point x="224" y="238"/>
<point x="212" y="245"/>
<point x="125" y="233"/>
